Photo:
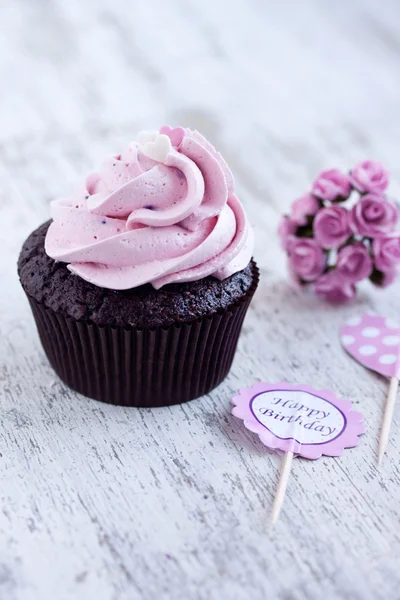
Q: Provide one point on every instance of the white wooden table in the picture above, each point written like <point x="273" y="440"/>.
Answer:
<point x="107" y="503"/>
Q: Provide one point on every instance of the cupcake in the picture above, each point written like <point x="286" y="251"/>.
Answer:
<point x="140" y="282"/>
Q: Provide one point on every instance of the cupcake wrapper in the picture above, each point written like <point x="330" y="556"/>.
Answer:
<point x="142" y="367"/>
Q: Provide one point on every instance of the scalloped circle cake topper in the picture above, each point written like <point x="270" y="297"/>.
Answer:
<point x="298" y="418"/>
<point x="299" y="421"/>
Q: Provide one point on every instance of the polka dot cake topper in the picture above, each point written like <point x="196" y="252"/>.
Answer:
<point x="374" y="341"/>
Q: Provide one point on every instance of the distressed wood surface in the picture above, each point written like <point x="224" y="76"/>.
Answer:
<point x="107" y="503"/>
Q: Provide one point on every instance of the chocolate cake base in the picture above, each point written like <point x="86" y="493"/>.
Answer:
<point x="138" y="347"/>
<point x="51" y="283"/>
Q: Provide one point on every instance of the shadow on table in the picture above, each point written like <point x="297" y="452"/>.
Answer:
<point x="282" y="297"/>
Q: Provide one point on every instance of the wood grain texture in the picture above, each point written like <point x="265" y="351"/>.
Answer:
<point x="106" y="503"/>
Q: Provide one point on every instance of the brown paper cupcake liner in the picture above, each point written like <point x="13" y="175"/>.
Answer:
<point x="143" y="367"/>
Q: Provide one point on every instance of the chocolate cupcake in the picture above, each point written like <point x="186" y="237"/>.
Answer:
<point x="140" y="283"/>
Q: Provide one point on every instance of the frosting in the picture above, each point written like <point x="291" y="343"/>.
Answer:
<point x="162" y="212"/>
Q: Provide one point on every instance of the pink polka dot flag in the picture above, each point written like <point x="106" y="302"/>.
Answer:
<point x="374" y="341"/>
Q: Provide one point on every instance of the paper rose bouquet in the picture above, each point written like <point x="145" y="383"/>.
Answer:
<point x="343" y="231"/>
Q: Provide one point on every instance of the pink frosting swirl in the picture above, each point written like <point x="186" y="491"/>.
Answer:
<point x="163" y="212"/>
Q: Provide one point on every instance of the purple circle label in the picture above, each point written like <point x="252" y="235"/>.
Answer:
<point x="298" y="415"/>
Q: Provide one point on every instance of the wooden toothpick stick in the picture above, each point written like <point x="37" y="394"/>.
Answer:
<point x="387" y="417"/>
<point x="282" y="485"/>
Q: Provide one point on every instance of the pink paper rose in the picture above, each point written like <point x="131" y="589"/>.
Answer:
<point x="306" y="259"/>
<point x="354" y="262"/>
<point x="295" y="279"/>
<point x="332" y="248"/>
<point x="369" y="176"/>
<point x="373" y="216"/>
<point x="386" y="252"/>
<point x="332" y="226"/>
<point x="286" y="228"/>
<point x="332" y="185"/>
<point x="334" y="288"/>
<point x="304" y="207"/>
